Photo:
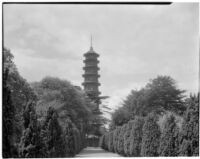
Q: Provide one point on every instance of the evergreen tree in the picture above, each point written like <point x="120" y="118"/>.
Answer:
<point x="110" y="142"/>
<point x="120" y="144"/>
<point x="102" y="142"/>
<point x="53" y="135"/>
<point x="116" y="138"/>
<point x="169" y="143"/>
<point x="151" y="136"/>
<point x="190" y="129"/>
<point x="136" y="137"/>
<point x="127" y="138"/>
<point x="32" y="144"/>
<point x="69" y="139"/>
<point x="77" y="139"/>
<point x="8" y="121"/>
<point x="106" y="141"/>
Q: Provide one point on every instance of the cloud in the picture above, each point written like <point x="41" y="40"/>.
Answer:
<point x="135" y="43"/>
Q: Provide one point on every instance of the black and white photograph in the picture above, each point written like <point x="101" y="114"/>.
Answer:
<point x="100" y="79"/>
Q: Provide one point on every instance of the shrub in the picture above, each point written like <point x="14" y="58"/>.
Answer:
<point x="77" y="139"/>
<point x="69" y="139"/>
<point x="115" y="138"/>
<point x="8" y="119"/>
<point x="169" y="138"/>
<point x="151" y="135"/>
<point x="110" y="142"/>
<point x="53" y="135"/>
<point x="127" y="138"/>
<point x="136" y="137"/>
<point x="190" y="129"/>
<point x="105" y="141"/>
<point x="120" y="144"/>
<point x="32" y="145"/>
<point x="102" y="142"/>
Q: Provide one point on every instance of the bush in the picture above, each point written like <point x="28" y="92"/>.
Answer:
<point x="151" y="136"/>
<point x="8" y="119"/>
<point x="53" y="135"/>
<point x="169" y="143"/>
<point x="120" y="144"/>
<point x="32" y="145"/>
<point x="106" y="141"/>
<point x="102" y="142"/>
<point x="110" y="142"/>
<point x="69" y="139"/>
<point x="190" y="129"/>
<point x="116" y="138"/>
<point x="136" y="137"/>
<point x="77" y="139"/>
<point x="127" y="138"/>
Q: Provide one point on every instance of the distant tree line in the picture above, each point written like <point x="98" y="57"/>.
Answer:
<point x="49" y="118"/>
<point x="155" y="121"/>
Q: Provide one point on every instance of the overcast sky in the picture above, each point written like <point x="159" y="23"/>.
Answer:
<point x="135" y="42"/>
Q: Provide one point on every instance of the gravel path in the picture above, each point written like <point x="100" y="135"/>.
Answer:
<point x="96" y="152"/>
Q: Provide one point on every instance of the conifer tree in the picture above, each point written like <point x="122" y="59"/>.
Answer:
<point x="151" y="136"/>
<point x="110" y="142"/>
<point x="190" y="129"/>
<point x="102" y="142"/>
<point x="120" y="146"/>
<point x="32" y="145"/>
<point x="77" y="139"/>
<point x="8" y="121"/>
<point x="69" y="139"/>
<point x="106" y="141"/>
<point x="115" y="138"/>
<point x="136" y="137"/>
<point x="53" y="135"/>
<point x="127" y="138"/>
<point x="169" y="143"/>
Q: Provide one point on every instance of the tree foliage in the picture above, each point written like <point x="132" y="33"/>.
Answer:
<point x="31" y="145"/>
<point x="69" y="139"/>
<point x="136" y="137"/>
<point x="169" y="144"/>
<point x="116" y="138"/>
<point x="190" y="129"/>
<point x="110" y="142"/>
<point x="20" y="93"/>
<point x="151" y="136"/>
<point x="159" y="95"/>
<point x="120" y="144"/>
<point x="127" y="139"/>
<point x="53" y="135"/>
<point x="8" y="120"/>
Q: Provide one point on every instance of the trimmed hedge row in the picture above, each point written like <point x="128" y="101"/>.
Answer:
<point x="145" y="137"/>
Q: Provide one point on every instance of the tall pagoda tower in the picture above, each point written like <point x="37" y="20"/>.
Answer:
<point x="91" y="83"/>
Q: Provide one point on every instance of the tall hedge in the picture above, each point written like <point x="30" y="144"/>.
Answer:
<point x="8" y="119"/>
<point x="190" y="129"/>
<point x="120" y="144"/>
<point x="110" y="142"/>
<point x="169" y="144"/>
<point x="106" y="141"/>
<point x="116" y="138"/>
<point x="32" y="145"/>
<point x="136" y="137"/>
<point x="77" y="139"/>
<point x="102" y="142"/>
<point x="53" y="134"/>
<point x="151" y="136"/>
<point x="69" y="139"/>
<point x="127" y="138"/>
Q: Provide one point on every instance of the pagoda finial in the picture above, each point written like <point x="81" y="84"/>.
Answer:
<point x="91" y="48"/>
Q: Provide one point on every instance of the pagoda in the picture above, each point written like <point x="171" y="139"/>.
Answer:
<point x="91" y="83"/>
